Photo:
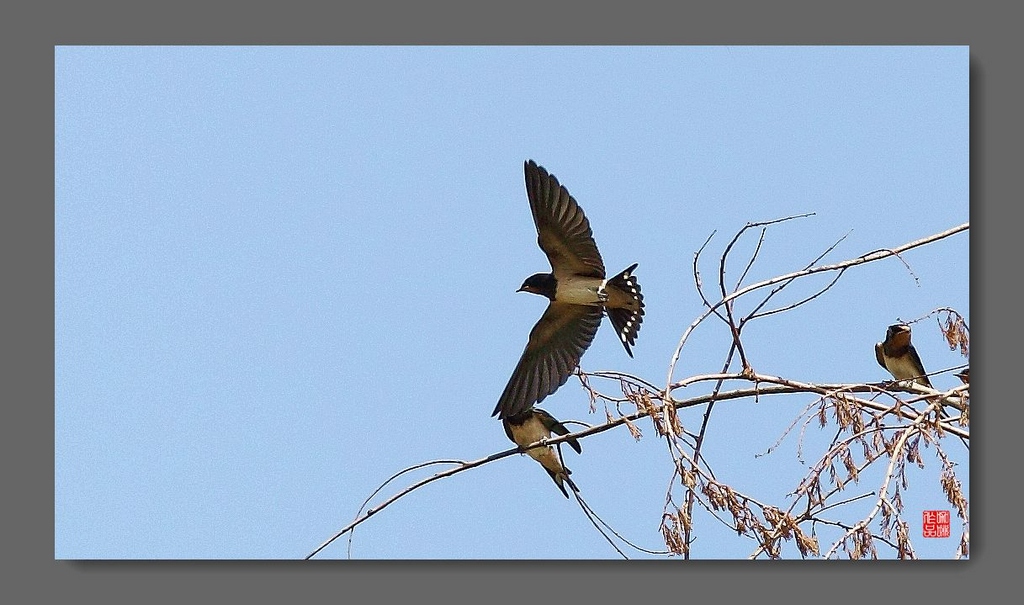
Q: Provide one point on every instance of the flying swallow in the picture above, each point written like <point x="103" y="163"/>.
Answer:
<point x="579" y="295"/>
<point x="530" y="427"/>
<point x="899" y="357"/>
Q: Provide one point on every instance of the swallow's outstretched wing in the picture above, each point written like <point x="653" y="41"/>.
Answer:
<point x="554" y="350"/>
<point x="563" y="231"/>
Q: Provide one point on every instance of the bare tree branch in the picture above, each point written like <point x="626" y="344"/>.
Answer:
<point x="867" y="423"/>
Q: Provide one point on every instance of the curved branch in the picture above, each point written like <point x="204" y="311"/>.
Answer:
<point x="463" y="466"/>
<point x="840" y="266"/>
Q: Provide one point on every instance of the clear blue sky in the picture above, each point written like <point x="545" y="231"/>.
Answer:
<point x="284" y="274"/>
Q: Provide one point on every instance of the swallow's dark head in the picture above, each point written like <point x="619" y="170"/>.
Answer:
<point x="898" y="335"/>
<point x="540" y="283"/>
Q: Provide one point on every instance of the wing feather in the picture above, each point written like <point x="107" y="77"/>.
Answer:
<point x="563" y="231"/>
<point x="556" y="345"/>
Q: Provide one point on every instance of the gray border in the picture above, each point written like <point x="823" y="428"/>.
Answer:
<point x="32" y="32"/>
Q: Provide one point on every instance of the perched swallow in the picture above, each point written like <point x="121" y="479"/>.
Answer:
<point x="579" y="296"/>
<point x="899" y="357"/>
<point x="530" y="427"/>
<point x="964" y="375"/>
